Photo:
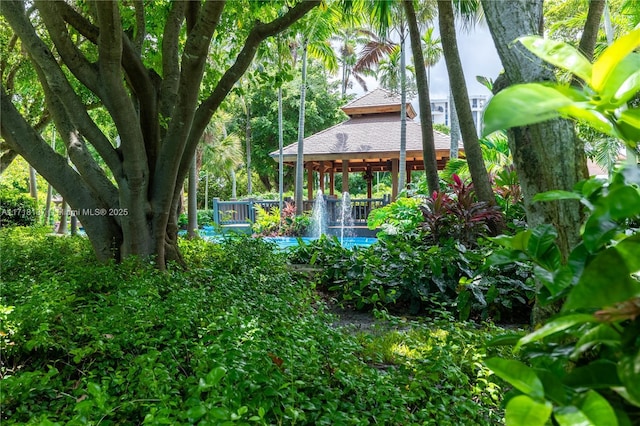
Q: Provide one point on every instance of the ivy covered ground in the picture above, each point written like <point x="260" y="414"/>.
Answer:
<point x="238" y="338"/>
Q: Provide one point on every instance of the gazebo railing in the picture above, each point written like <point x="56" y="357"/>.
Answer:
<point x="243" y="212"/>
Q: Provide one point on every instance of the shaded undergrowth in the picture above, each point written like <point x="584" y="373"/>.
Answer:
<point x="236" y="339"/>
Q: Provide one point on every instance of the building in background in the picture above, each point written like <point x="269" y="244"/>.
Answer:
<point x="440" y="111"/>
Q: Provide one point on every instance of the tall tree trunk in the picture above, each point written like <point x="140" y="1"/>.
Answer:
<point x="192" y="201"/>
<point x="402" y="162"/>
<point x="64" y="215"/>
<point x="33" y="184"/>
<point x="299" y="160"/>
<point x="472" y="149"/>
<point x="549" y="155"/>
<point x="280" y="157"/>
<point x="454" y="125"/>
<point x="424" y="101"/>
<point x="248" y="144"/>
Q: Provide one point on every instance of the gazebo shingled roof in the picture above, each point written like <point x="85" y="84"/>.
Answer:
<point x="369" y="141"/>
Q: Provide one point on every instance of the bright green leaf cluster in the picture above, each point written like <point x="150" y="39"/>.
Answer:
<point x="609" y="83"/>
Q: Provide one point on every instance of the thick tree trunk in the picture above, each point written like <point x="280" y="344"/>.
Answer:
<point x="426" y="120"/>
<point x="472" y="150"/>
<point x="548" y="155"/>
<point x="159" y="115"/>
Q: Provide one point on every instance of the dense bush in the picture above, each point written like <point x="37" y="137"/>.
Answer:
<point x="408" y="275"/>
<point x="236" y="338"/>
<point x="16" y="208"/>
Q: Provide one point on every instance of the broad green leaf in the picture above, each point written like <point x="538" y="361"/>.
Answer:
<point x="504" y="340"/>
<point x="629" y="126"/>
<point x="607" y="62"/>
<point x="554" y="390"/>
<point x="600" y="374"/>
<point x="554" y="326"/>
<point x="598" y="410"/>
<point x="521" y="105"/>
<point x="622" y="202"/>
<point x="506" y="257"/>
<point x="629" y="249"/>
<point x="593" y="410"/>
<point x="571" y="416"/>
<point x="607" y="279"/>
<point x="519" y="375"/>
<point x="543" y="248"/>
<point x="585" y="113"/>
<point x="623" y="83"/>
<point x="196" y="412"/>
<point x="521" y="410"/>
<point x="214" y="376"/>
<point x="557" y="195"/>
<point x="602" y="334"/>
<point x="629" y="372"/>
<point x="598" y="230"/>
<point x="560" y="54"/>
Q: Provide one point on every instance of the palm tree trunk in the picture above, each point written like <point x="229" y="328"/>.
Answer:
<point x="454" y="125"/>
<point x="426" y="120"/>
<point x="472" y="149"/>
<point x="299" y="159"/>
<point x="402" y="163"/>
<point x="192" y="201"/>
<point x="248" y="144"/>
<point x="281" y="147"/>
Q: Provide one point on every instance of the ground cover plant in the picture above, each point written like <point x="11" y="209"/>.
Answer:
<point x="237" y="338"/>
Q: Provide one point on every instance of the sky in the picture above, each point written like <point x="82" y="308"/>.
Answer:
<point x="478" y="55"/>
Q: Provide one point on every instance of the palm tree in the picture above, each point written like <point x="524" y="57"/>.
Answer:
<point x="349" y="39"/>
<point x="220" y="153"/>
<point x="426" y="120"/>
<point x="473" y="152"/>
<point x="318" y="27"/>
<point x="431" y="50"/>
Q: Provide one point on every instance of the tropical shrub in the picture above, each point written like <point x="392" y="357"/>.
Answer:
<point x="16" y="208"/>
<point x="459" y="215"/>
<point x="273" y="223"/>
<point x="407" y="276"/>
<point x="402" y="217"/>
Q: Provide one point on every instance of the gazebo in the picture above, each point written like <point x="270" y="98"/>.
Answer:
<point x="369" y="141"/>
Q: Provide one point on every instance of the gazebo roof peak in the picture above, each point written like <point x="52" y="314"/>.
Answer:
<point x="378" y="101"/>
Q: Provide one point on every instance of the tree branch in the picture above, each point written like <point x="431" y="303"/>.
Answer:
<point x="72" y="57"/>
<point x="259" y="33"/>
<point x="56" y="80"/>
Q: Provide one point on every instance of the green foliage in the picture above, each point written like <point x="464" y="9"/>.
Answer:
<point x="16" y="208"/>
<point x="237" y="338"/>
<point x="407" y="276"/>
<point x="583" y="357"/>
<point x="610" y="82"/>
<point x="272" y="223"/>
<point x="403" y="217"/>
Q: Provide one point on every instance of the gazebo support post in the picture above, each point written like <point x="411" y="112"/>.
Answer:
<point x="321" y="173"/>
<point x="345" y="176"/>
<point x="332" y="178"/>
<point x="310" y="181"/>
<point x="394" y="179"/>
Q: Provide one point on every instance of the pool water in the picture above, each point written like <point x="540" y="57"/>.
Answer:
<point x="347" y="242"/>
<point x="208" y="233"/>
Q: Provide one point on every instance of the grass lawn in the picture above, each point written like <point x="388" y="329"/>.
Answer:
<point x="238" y="338"/>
